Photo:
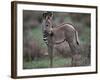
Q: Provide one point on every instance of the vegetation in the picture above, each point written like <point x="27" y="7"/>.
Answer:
<point x="44" y="62"/>
<point x="35" y="54"/>
<point x="38" y="36"/>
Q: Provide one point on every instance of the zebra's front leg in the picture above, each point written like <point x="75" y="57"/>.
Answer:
<point x="50" y="51"/>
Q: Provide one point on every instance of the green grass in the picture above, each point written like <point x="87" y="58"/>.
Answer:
<point x="85" y="37"/>
<point x="38" y="36"/>
<point x="44" y="63"/>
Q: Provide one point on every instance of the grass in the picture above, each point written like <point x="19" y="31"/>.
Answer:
<point x="85" y="37"/>
<point x="38" y="36"/>
<point x="44" y="63"/>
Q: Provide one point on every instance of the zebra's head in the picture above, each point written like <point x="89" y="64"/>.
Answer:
<point x="47" y="21"/>
<point x="47" y="15"/>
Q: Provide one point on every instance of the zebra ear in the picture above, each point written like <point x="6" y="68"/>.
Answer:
<point x="49" y="13"/>
<point x="44" y="15"/>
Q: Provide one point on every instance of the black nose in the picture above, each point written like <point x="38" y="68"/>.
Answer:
<point x="47" y="25"/>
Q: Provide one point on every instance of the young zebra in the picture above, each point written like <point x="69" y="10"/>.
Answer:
<point x="69" y="32"/>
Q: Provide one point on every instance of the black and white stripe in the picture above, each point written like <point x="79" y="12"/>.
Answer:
<point x="45" y="37"/>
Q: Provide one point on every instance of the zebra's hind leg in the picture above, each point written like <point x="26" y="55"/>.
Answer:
<point x="75" y="53"/>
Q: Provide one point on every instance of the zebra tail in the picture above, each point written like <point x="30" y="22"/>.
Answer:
<point x="77" y="38"/>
